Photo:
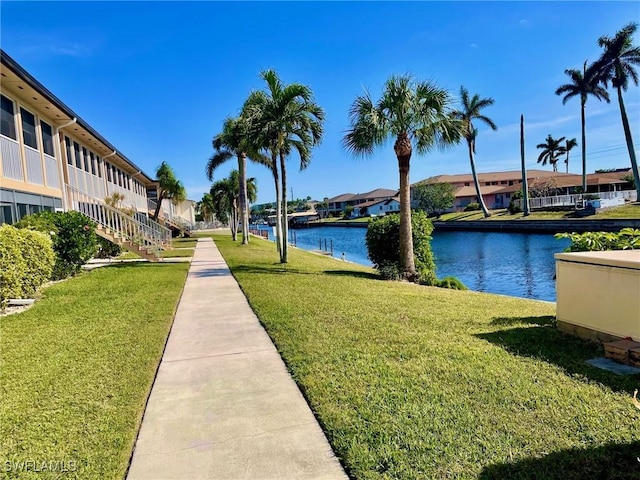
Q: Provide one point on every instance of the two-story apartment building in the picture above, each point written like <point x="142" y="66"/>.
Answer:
<point x="47" y="151"/>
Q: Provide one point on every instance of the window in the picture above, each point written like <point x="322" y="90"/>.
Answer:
<point x="29" y="128"/>
<point x="93" y="163"/>
<point x="76" y="150"/>
<point x="466" y="184"/>
<point x="510" y="182"/>
<point x="67" y="145"/>
<point x="486" y="184"/>
<point x="86" y="159"/>
<point x="99" y="162"/>
<point x="7" y="122"/>
<point x="503" y="182"/>
<point x="47" y="138"/>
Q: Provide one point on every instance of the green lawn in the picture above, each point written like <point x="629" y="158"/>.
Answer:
<point x="629" y="210"/>
<point x="187" y="252"/>
<point x="415" y="382"/>
<point x="184" y="242"/>
<point x="76" y="368"/>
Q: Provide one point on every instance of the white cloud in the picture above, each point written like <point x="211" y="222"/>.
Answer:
<point x="474" y="45"/>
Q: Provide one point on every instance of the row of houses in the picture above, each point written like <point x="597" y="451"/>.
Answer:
<point x="53" y="160"/>
<point x="497" y="189"/>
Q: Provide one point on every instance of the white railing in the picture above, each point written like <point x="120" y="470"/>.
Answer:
<point x="141" y="231"/>
<point x="11" y="159"/>
<point x="51" y="169"/>
<point x="576" y="199"/>
<point x="34" y="166"/>
<point x="167" y="215"/>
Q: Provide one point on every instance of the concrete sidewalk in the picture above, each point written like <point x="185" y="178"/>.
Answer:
<point x="223" y="405"/>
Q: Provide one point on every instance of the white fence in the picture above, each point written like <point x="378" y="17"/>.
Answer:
<point x="577" y="199"/>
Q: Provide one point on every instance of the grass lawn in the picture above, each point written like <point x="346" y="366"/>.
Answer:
<point x="629" y="210"/>
<point x="76" y="368"/>
<point x="415" y="382"/>
<point x="187" y="252"/>
<point x="184" y="242"/>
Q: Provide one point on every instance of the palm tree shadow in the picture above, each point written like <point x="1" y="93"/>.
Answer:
<point x="545" y="320"/>
<point x="544" y="342"/>
<point x="355" y="274"/>
<point x="275" y="269"/>
<point x="611" y="461"/>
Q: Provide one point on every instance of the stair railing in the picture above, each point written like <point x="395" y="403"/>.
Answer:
<point x="142" y="231"/>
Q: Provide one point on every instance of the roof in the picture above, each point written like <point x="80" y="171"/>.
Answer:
<point x="9" y="62"/>
<point x="470" y="191"/>
<point x="377" y="193"/>
<point x="490" y="176"/>
<point x="343" y="197"/>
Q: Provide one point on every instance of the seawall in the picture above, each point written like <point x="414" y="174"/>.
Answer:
<point x="524" y="226"/>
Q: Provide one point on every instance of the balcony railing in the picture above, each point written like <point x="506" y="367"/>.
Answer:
<point x="575" y="200"/>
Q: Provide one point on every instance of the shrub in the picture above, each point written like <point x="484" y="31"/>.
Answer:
<point x="26" y="262"/>
<point x="625" y="239"/>
<point x="107" y="249"/>
<point x="383" y="245"/>
<point x="452" y="283"/>
<point x="472" y="207"/>
<point x="513" y="209"/>
<point x="74" y="238"/>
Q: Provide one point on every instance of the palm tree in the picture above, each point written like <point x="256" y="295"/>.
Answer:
<point x="616" y="65"/>
<point x="287" y="119"/>
<point x="550" y="151"/>
<point x="169" y="187"/>
<point x="226" y="199"/>
<point x="206" y="208"/>
<point x="583" y="83"/>
<point x="409" y="113"/>
<point x="471" y="111"/>
<point x="568" y="146"/>
<point x="234" y="141"/>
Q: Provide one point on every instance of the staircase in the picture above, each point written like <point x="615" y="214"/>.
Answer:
<point x="142" y="236"/>
<point x="173" y="222"/>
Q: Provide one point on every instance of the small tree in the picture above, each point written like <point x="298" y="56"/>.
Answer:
<point x="434" y="198"/>
<point x="383" y="246"/>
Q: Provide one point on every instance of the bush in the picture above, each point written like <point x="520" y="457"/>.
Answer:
<point x="452" y="283"/>
<point x="26" y="262"/>
<point x="472" y="207"/>
<point x="513" y="209"/>
<point x="383" y="246"/>
<point x="107" y="249"/>
<point x="625" y="239"/>
<point x="74" y="238"/>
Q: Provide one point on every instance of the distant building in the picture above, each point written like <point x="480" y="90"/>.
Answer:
<point x="498" y="187"/>
<point x="339" y="203"/>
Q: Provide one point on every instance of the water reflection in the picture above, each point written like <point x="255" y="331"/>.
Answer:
<point x="515" y="264"/>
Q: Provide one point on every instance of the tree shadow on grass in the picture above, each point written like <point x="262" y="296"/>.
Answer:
<point x="276" y="269"/>
<point x="607" y="462"/>
<point x="570" y="353"/>
<point x="545" y="320"/>
<point x="353" y="273"/>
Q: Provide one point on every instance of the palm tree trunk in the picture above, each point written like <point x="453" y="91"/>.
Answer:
<point x="525" y="183"/>
<point x="627" y="136"/>
<point x="477" y="183"/>
<point x="234" y="221"/>
<point x="403" y="148"/>
<point x="276" y="179"/>
<point x="584" y="147"/>
<point x="157" y="211"/>
<point x="242" y="178"/>
<point x="285" y="216"/>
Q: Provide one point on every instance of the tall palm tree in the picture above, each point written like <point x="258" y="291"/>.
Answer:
<point x="234" y="141"/>
<point x="568" y="146"/>
<point x="411" y="114"/>
<point x="287" y="119"/>
<point x="550" y="151"/>
<point x="471" y="108"/>
<point x="616" y="65"/>
<point x="169" y="187"/>
<point x="583" y="83"/>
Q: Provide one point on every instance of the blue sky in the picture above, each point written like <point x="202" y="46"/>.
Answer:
<point x="157" y="79"/>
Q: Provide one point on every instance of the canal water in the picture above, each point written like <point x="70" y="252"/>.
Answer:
<point x="515" y="264"/>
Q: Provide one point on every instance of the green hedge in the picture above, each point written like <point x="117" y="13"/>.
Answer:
<point x="74" y="238"/>
<point x="625" y="239"/>
<point x="26" y="262"/>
